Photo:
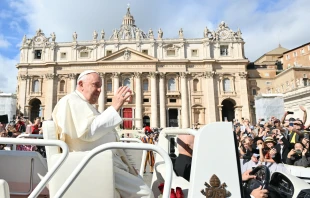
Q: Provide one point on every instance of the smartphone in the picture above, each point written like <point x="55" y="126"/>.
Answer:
<point x="291" y="124"/>
<point x="262" y="119"/>
<point x="290" y="112"/>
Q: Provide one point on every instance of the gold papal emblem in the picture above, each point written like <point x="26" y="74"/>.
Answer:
<point x="215" y="189"/>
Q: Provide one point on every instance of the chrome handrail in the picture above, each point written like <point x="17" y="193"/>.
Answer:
<point x="119" y="145"/>
<point x="143" y="153"/>
<point x="26" y="135"/>
<point x="65" y="151"/>
<point x="177" y="131"/>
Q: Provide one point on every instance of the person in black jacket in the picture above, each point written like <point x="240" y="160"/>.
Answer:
<point x="283" y="148"/>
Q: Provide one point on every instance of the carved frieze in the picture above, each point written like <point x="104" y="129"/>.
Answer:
<point x="116" y="74"/>
<point x="102" y="74"/>
<point x="23" y="77"/>
<point x="137" y="74"/>
<point x="243" y="74"/>
<point x="72" y="76"/>
<point x="153" y="74"/>
<point x="183" y="74"/>
<point x="162" y="75"/>
<point x="127" y="54"/>
<point x="209" y="74"/>
<point x="50" y="76"/>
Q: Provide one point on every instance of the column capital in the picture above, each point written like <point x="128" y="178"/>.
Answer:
<point x="243" y="74"/>
<point x="116" y="74"/>
<point x="209" y="74"/>
<point x="220" y="106"/>
<point x="72" y="76"/>
<point x="137" y="74"/>
<point x="183" y="74"/>
<point x="101" y="74"/>
<point x="153" y="74"/>
<point x="162" y="75"/>
<point x="51" y="76"/>
<point x="23" y="77"/>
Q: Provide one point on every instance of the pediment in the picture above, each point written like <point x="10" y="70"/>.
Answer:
<point x="127" y="55"/>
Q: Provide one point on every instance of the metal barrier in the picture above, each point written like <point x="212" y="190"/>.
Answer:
<point x="38" y="189"/>
<point x="119" y="145"/>
<point x="26" y="135"/>
<point x="143" y="154"/>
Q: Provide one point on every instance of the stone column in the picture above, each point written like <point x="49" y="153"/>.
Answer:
<point x="210" y="95"/>
<point x="202" y="116"/>
<point x="220" y="112"/>
<point x="49" y="95"/>
<point x="154" y="115"/>
<point x="167" y="119"/>
<point x="22" y="93"/>
<point x="115" y="81"/>
<point x="184" y="98"/>
<point x="232" y="84"/>
<point x="207" y="50"/>
<point x="73" y="82"/>
<point x="244" y="95"/>
<point x="162" y="100"/>
<point x="138" y="94"/>
<point x="221" y="79"/>
<point x="179" y="118"/>
<point x="238" y="113"/>
<point x="101" y="101"/>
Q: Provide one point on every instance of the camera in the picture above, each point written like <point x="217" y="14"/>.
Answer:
<point x="290" y="112"/>
<point x="262" y="119"/>
<point x="298" y="152"/>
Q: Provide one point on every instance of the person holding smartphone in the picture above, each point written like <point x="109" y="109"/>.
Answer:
<point x="297" y="156"/>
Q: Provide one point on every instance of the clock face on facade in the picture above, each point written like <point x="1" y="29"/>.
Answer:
<point x="39" y="40"/>
<point x="224" y="34"/>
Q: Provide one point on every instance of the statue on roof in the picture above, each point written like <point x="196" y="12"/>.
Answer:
<point x="74" y="36"/>
<point x="160" y="33"/>
<point x="24" y="39"/>
<point x="222" y="26"/>
<point x="151" y="34"/>
<point x="39" y="32"/>
<point x="206" y="32"/>
<point x="53" y="36"/>
<point x="238" y="34"/>
<point x="95" y="35"/>
<point x="102" y="34"/>
<point x="115" y="36"/>
<point x="181" y="33"/>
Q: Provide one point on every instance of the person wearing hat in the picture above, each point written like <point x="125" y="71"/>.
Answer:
<point x="268" y="152"/>
<point x="83" y="128"/>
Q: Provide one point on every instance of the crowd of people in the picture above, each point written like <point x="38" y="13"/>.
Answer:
<point x="274" y="140"/>
<point x="22" y="125"/>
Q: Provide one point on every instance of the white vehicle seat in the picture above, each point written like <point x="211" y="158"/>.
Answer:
<point x="4" y="189"/>
<point x="96" y="179"/>
<point x="16" y="168"/>
<point x="164" y="142"/>
<point x="215" y="156"/>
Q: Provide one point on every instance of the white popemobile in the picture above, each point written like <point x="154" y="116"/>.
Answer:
<point x="90" y="174"/>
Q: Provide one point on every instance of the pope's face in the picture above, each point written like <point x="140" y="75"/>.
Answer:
<point x="91" y="87"/>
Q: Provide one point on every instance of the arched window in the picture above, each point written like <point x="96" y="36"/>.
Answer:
<point x="62" y="86"/>
<point x="35" y="86"/>
<point x="145" y="85"/>
<point x="195" y="84"/>
<point x="226" y="84"/>
<point x="127" y="82"/>
<point x="109" y="85"/>
<point x="171" y="84"/>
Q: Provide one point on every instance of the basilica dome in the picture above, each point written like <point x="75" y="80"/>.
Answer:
<point x="128" y="29"/>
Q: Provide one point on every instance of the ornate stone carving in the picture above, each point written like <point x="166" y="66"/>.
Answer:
<point x="53" y="36"/>
<point x="95" y="35"/>
<point x="162" y="75"/>
<point x="50" y="76"/>
<point x="137" y="74"/>
<point x="102" y="34"/>
<point x="23" y="77"/>
<point x="24" y="39"/>
<point x="127" y="54"/>
<point x="160" y="33"/>
<point x="102" y="75"/>
<point x="183" y="74"/>
<point x="215" y="189"/>
<point x="153" y="74"/>
<point x="181" y="35"/>
<point x="151" y="34"/>
<point x="206" y="33"/>
<point x="116" y="74"/>
<point x="243" y="74"/>
<point x="72" y="76"/>
<point x="74" y="36"/>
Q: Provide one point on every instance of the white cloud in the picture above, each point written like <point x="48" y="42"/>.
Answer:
<point x="8" y="81"/>
<point x="3" y="42"/>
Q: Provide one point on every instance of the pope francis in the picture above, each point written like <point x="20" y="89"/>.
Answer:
<point x="83" y="128"/>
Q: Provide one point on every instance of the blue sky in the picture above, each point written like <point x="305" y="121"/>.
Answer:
<point x="264" y="23"/>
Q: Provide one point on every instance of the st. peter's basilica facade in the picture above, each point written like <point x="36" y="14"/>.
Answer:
<point x="175" y="82"/>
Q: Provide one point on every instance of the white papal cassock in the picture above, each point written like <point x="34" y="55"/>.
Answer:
<point x="83" y="128"/>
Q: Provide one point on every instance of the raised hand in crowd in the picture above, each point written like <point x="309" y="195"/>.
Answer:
<point x="304" y="119"/>
<point x="120" y="97"/>
<point x="304" y="152"/>
<point x="292" y="152"/>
